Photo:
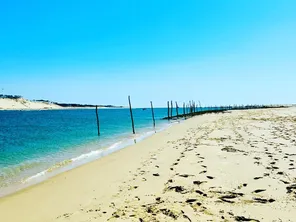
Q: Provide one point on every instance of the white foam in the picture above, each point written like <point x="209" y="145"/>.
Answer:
<point x="40" y="174"/>
<point x="88" y="157"/>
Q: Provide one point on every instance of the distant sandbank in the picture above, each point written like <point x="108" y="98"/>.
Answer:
<point x="24" y="104"/>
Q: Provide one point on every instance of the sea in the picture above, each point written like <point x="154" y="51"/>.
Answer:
<point x="36" y="145"/>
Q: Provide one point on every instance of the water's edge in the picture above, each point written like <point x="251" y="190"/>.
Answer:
<point x="75" y="162"/>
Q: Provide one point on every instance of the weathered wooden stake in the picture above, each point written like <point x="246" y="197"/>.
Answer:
<point x="184" y="110"/>
<point x="131" y="112"/>
<point x="98" y="121"/>
<point x="168" y="110"/>
<point x="152" y="114"/>
<point x="172" y="108"/>
<point x="177" y="109"/>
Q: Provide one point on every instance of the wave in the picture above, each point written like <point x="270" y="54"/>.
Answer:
<point x="73" y="162"/>
<point x="90" y="156"/>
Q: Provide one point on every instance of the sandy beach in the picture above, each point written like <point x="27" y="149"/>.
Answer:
<point x="232" y="166"/>
<point x="24" y="104"/>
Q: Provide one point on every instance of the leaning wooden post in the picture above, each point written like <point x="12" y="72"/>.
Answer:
<point x="98" y="122"/>
<point x="152" y="115"/>
<point x="131" y="112"/>
<point x="177" y="111"/>
<point x="172" y="108"/>
<point x="168" y="110"/>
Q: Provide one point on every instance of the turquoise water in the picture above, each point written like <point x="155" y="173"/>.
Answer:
<point x="38" y="144"/>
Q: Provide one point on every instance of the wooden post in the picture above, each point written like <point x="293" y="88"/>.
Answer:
<point x="184" y="111"/>
<point x="168" y="110"/>
<point x="152" y="115"/>
<point x="172" y="108"/>
<point x="131" y="112"/>
<point x="177" y="111"/>
<point x="98" y="122"/>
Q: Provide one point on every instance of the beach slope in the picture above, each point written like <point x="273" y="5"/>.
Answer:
<point x="233" y="166"/>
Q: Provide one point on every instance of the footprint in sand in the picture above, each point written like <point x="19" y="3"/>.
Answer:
<point x="242" y="218"/>
<point x="259" y="190"/>
<point x="201" y="193"/>
<point x="197" y="182"/>
<point x="264" y="201"/>
<point x="185" y="175"/>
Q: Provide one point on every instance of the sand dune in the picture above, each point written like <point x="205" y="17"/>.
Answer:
<point x="236" y="166"/>
<point x="23" y="104"/>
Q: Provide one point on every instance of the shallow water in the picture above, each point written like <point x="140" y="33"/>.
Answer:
<point x="37" y="144"/>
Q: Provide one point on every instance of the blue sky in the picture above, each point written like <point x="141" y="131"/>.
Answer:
<point x="99" y="52"/>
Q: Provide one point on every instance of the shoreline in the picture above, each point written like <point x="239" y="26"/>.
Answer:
<point x="158" y="178"/>
<point x="61" y="182"/>
<point x="84" y="158"/>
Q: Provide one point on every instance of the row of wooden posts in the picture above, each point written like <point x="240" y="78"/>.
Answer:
<point x="131" y="113"/>
<point x="189" y="109"/>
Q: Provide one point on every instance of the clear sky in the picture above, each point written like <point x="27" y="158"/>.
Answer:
<point x="99" y="52"/>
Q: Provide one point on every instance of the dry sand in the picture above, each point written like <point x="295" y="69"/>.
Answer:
<point x="236" y="166"/>
<point x="23" y="104"/>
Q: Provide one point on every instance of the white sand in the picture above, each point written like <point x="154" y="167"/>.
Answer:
<point x="235" y="166"/>
<point x="23" y="104"/>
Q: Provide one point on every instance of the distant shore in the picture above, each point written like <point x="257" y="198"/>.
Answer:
<point x="24" y="104"/>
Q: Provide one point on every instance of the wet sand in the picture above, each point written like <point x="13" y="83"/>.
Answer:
<point x="236" y="166"/>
